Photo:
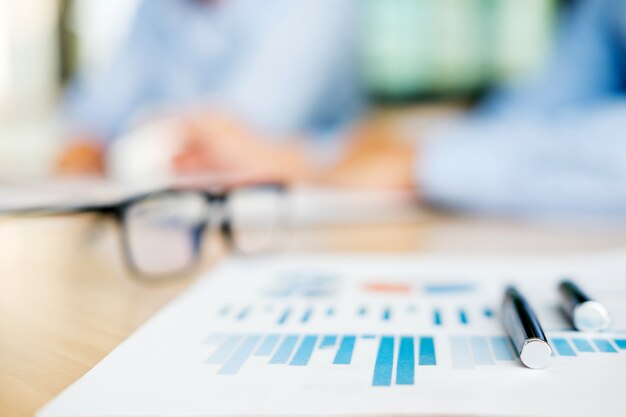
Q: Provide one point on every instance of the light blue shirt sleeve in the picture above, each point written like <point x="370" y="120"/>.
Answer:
<point x="558" y="146"/>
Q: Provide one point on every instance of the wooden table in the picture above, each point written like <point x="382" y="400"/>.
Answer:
<point x="66" y="299"/>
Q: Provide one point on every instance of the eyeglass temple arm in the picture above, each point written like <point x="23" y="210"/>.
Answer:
<point x="45" y="211"/>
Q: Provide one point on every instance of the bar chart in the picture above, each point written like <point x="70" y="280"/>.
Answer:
<point x="281" y="315"/>
<point x="397" y="358"/>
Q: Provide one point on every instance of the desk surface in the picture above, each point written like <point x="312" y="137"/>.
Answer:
<point x="66" y="299"/>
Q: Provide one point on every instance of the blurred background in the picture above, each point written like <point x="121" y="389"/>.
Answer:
<point x="412" y="53"/>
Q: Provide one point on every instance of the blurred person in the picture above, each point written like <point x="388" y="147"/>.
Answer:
<point x="554" y="145"/>
<point x="275" y="67"/>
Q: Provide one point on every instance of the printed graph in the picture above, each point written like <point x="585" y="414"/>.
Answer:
<point x="287" y="314"/>
<point x="397" y="358"/>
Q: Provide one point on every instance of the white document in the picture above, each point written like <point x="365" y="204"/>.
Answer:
<point x="363" y="335"/>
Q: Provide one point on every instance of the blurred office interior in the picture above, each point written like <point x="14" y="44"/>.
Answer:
<point x="413" y="53"/>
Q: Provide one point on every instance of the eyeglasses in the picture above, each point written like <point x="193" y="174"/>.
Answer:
<point x="163" y="231"/>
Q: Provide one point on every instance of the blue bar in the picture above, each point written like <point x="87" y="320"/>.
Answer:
<point x="480" y="349"/>
<point x="344" y="353"/>
<point x="236" y="361"/>
<point x="583" y="346"/>
<point x="384" y="362"/>
<point x="604" y="345"/>
<point x="463" y="317"/>
<point x="461" y="355"/>
<point x="283" y="317"/>
<point x="330" y="311"/>
<point x="563" y="347"/>
<point x="285" y="349"/>
<point x="307" y="315"/>
<point x="386" y="314"/>
<point x="368" y="336"/>
<point x="449" y="288"/>
<point x="304" y="352"/>
<point x="502" y="348"/>
<point x="224" y="351"/>
<point x="437" y="318"/>
<point x="405" y="371"/>
<point x="362" y="311"/>
<point x="328" y="341"/>
<point x="243" y="314"/>
<point x="427" y="351"/>
<point x="621" y="343"/>
<point x="268" y="345"/>
<point x="488" y="313"/>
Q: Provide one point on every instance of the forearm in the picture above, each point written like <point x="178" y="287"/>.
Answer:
<point x="573" y="164"/>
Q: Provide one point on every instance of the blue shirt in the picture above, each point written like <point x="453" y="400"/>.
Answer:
<point x="282" y="66"/>
<point x="557" y="145"/>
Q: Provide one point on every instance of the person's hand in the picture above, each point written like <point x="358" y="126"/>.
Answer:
<point x="84" y="156"/>
<point x="376" y="159"/>
<point x="218" y="145"/>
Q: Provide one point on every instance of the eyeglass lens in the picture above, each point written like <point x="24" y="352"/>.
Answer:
<point x="163" y="232"/>
<point x="258" y="217"/>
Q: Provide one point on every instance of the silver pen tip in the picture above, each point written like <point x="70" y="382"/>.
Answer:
<point x="591" y="316"/>
<point x="535" y="354"/>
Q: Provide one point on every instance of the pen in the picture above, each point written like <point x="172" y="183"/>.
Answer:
<point x="584" y="313"/>
<point x="524" y="330"/>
